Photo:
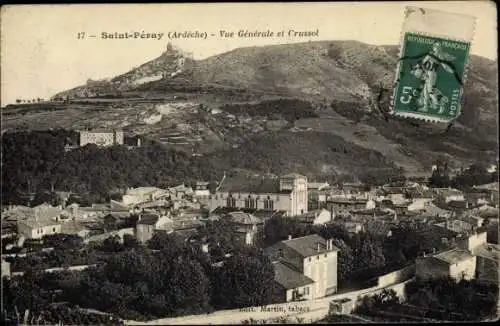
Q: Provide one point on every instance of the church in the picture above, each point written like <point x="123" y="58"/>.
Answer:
<point x="287" y="193"/>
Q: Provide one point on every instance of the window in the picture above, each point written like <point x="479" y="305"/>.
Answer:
<point x="326" y="255"/>
<point x="268" y="204"/>
<point x="231" y="201"/>
<point x="250" y="202"/>
<point x="309" y="259"/>
<point x="306" y="290"/>
<point x="53" y="229"/>
<point x="317" y="257"/>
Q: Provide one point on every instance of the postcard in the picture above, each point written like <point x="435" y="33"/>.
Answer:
<point x="249" y="163"/>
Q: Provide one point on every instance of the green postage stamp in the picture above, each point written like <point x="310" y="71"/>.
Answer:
<point x="430" y="75"/>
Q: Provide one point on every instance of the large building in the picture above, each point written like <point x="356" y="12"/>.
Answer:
<point x="305" y="268"/>
<point x="287" y="193"/>
<point x="101" y="137"/>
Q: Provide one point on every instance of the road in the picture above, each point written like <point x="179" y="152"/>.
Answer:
<point x="307" y="311"/>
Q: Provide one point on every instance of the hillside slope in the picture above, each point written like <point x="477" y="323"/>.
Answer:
<point x="184" y="103"/>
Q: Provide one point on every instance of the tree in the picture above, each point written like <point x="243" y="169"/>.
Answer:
<point x="346" y="262"/>
<point x="187" y="285"/>
<point x="368" y="254"/>
<point x="129" y="241"/>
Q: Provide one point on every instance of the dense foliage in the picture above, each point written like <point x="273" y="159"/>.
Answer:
<point x="36" y="161"/>
<point x="176" y="278"/>
<point x="474" y="175"/>
<point x="288" y="109"/>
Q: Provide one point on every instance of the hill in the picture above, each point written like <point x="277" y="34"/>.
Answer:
<point x="221" y="103"/>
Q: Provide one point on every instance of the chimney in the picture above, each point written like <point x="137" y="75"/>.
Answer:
<point x="318" y="246"/>
<point x="289" y="237"/>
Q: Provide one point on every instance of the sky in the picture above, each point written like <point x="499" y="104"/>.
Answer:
<point x="41" y="54"/>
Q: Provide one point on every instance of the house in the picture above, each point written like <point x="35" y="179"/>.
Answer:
<point x="201" y="189"/>
<point x="492" y="189"/>
<point x="306" y="267"/>
<point x="37" y="228"/>
<point x="457" y="206"/>
<point x="5" y="269"/>
<point x="44" y="221"/>
<point x="488" y="259"/>
<point x="287" y="193"/>
<point x="134" y="196"/>
<point x="455" y="263"/>
<point x="419" y="198"/>
<point x="180" y="191"/>
<point x="320" y="216"/>
<point x="75" y="228"/>
<point x="148" y="223"/>
<point x="458" y="226"/>
<point x="317" y="198"/>
<point x="472" y="239"/>
<point x="434" y="211"/>
<point x="448" y="194"/>
<point x="474" y="220"/>
<point x="246" y="226"/>
<point x="354" y="227"/>
<point x="397" y="199"/>
<point x="353" y="188"/>
<point x="346" y="206"/>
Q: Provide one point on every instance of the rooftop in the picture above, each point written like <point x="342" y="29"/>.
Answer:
<point x="294" y="175"/>
<point x="39" y="222"/>
<point x="149" y="219"/>
<point x="72" y="227"/>
<point x="348" y="201"/>
<point x="244" y="218"/>
<point x="142" y="191"/>
<point x="308" y="246"/>
<point x="489" y="186"/>
<point x="453" y="256"/>
<point x="288" y="277"/>
<point x="488" y="250"/>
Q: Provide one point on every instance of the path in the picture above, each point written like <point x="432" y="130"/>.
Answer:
<point x="309" y="311"/>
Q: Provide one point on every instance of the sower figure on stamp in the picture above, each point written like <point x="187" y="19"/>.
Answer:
<point x="426" y="70"/>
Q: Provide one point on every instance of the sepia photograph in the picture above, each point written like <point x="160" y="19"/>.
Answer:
<point x="249" y="163"/>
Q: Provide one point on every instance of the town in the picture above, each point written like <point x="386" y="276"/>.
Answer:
<point x="270" y="247"/>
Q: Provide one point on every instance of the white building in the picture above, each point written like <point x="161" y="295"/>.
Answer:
<point x="305" y="268"/>
<point x="317" y="217"/>
<point x="37" y="228"/>
<point x="101" y="137"/>
<point x="148" y="224"/>
<point x="134" y="196"/>
<point x="43" y="220"/>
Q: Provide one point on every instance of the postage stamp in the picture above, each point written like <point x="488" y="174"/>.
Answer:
<point x="430" y="76"/>
<point x="432" y="67"/>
